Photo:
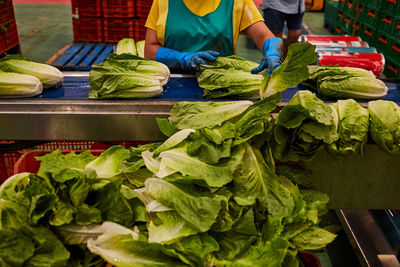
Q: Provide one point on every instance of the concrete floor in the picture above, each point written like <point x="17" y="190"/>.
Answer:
<point x="44" y="29"/>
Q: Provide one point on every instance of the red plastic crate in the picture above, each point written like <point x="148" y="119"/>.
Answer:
<point x="116" y="29"/>
<point x="118" y="8"/>
<point x="7" y="12"/>
<point x="140" y="29"/>
<point x="67" y="145"/>
<point x="143" y="8"/>
<point x="8" y="36"/>
<point x="85" y="145"/>
<point x="89" y="8"/>
<point x="88" y="29"/>
<point x="7" y="162"/>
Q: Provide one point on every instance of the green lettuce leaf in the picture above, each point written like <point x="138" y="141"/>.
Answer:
<point x="109" y="163"/>
<point x="167" y="227"/>
<point x="197" y="115"/>
<point x="34" y="194"/>
<point x="270" y="254"/>
<point x="230" y="76"/>
<point x="74" y="234"/>
<point x="230" y="82"/>
<point x="200" y="211"/>
<point x="113" y="205"/>
<point x="12" y="215"/>
<point x="196" y="249"/>
<point x="124" y="251"/>
<point x="292" y="71"/>
<point x="86" y="215"/>
<point x="15" y="247"/>
<point x="61" y="168"/>
<point x="49" y="251"/>
<point x="63" y="213"/>
<point x="231" y="62"/>
<point x="255" y="181"/>
<point x="252" y="122"/>
<point x="214" y="175"/>
<point x="312" y="238"/>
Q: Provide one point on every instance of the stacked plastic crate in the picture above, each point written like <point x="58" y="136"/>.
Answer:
<point x="87" y="20"/>
<point x="109" y="20"/>
<point x="377" y="22"/>
<point x="331" y="10"/>
<point x="125" y="18"/>
<point x="8" y="27"/>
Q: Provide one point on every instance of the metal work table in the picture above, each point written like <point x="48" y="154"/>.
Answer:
<point x="66" y="113"/>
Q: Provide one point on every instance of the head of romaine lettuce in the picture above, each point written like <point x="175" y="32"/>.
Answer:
<point x="303" y="126"/>
<point x="352" y="128"/>
<point x="48" y="75"/>
<point x="345" y="82"/>
<point x="385" y="125"/>
<point x="19" y="85"/>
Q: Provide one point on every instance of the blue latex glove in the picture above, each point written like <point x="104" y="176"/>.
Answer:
<point x="184" y="60"/>
<point x="272" y="49"/>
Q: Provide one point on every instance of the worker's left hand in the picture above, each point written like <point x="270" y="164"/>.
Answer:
<point x="272" y="50"/>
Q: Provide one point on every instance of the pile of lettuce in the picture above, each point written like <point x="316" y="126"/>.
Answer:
<point x="210" y="195"/>
<point x="21" y="77"/>
<point x="126" y="74"/>
<point x="307" y="124"/>
<point x="230" y="76"/>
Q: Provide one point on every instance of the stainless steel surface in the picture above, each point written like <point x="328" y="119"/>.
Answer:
<point x="76" y="73"/>
<point x="82" y="120"/>
<point x="367" y="239"/>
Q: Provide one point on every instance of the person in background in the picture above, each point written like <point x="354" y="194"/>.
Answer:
<point x="184" y="34"/>
<point x="277" y="12"/>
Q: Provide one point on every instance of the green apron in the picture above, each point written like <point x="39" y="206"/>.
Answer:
<point x="188" y="32"/>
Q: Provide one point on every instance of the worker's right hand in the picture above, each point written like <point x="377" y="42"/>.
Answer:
<point x="192" y="61"/>
<point x="272" y="50"/>
<point x="184" y="60"/>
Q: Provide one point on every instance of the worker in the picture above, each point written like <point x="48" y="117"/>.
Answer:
<point x="277" y="12"/>
<point x="187" y="33"/>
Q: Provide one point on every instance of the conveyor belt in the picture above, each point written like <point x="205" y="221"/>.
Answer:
<point x="177" y="89"/>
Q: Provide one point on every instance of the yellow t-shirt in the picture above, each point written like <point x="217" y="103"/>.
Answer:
<point x="245" y="13"/>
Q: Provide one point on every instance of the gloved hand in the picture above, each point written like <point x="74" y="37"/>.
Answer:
<point x="184" y="60"/>
<point x="272" y="50"/>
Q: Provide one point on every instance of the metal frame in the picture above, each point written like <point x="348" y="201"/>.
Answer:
<point x="369" y="242"/>
<point x="82" y="120"/>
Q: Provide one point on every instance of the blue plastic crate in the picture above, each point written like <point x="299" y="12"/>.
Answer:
<point x="81" y="56"/>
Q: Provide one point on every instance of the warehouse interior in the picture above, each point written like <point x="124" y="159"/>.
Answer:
<point x="364" y="214"/>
